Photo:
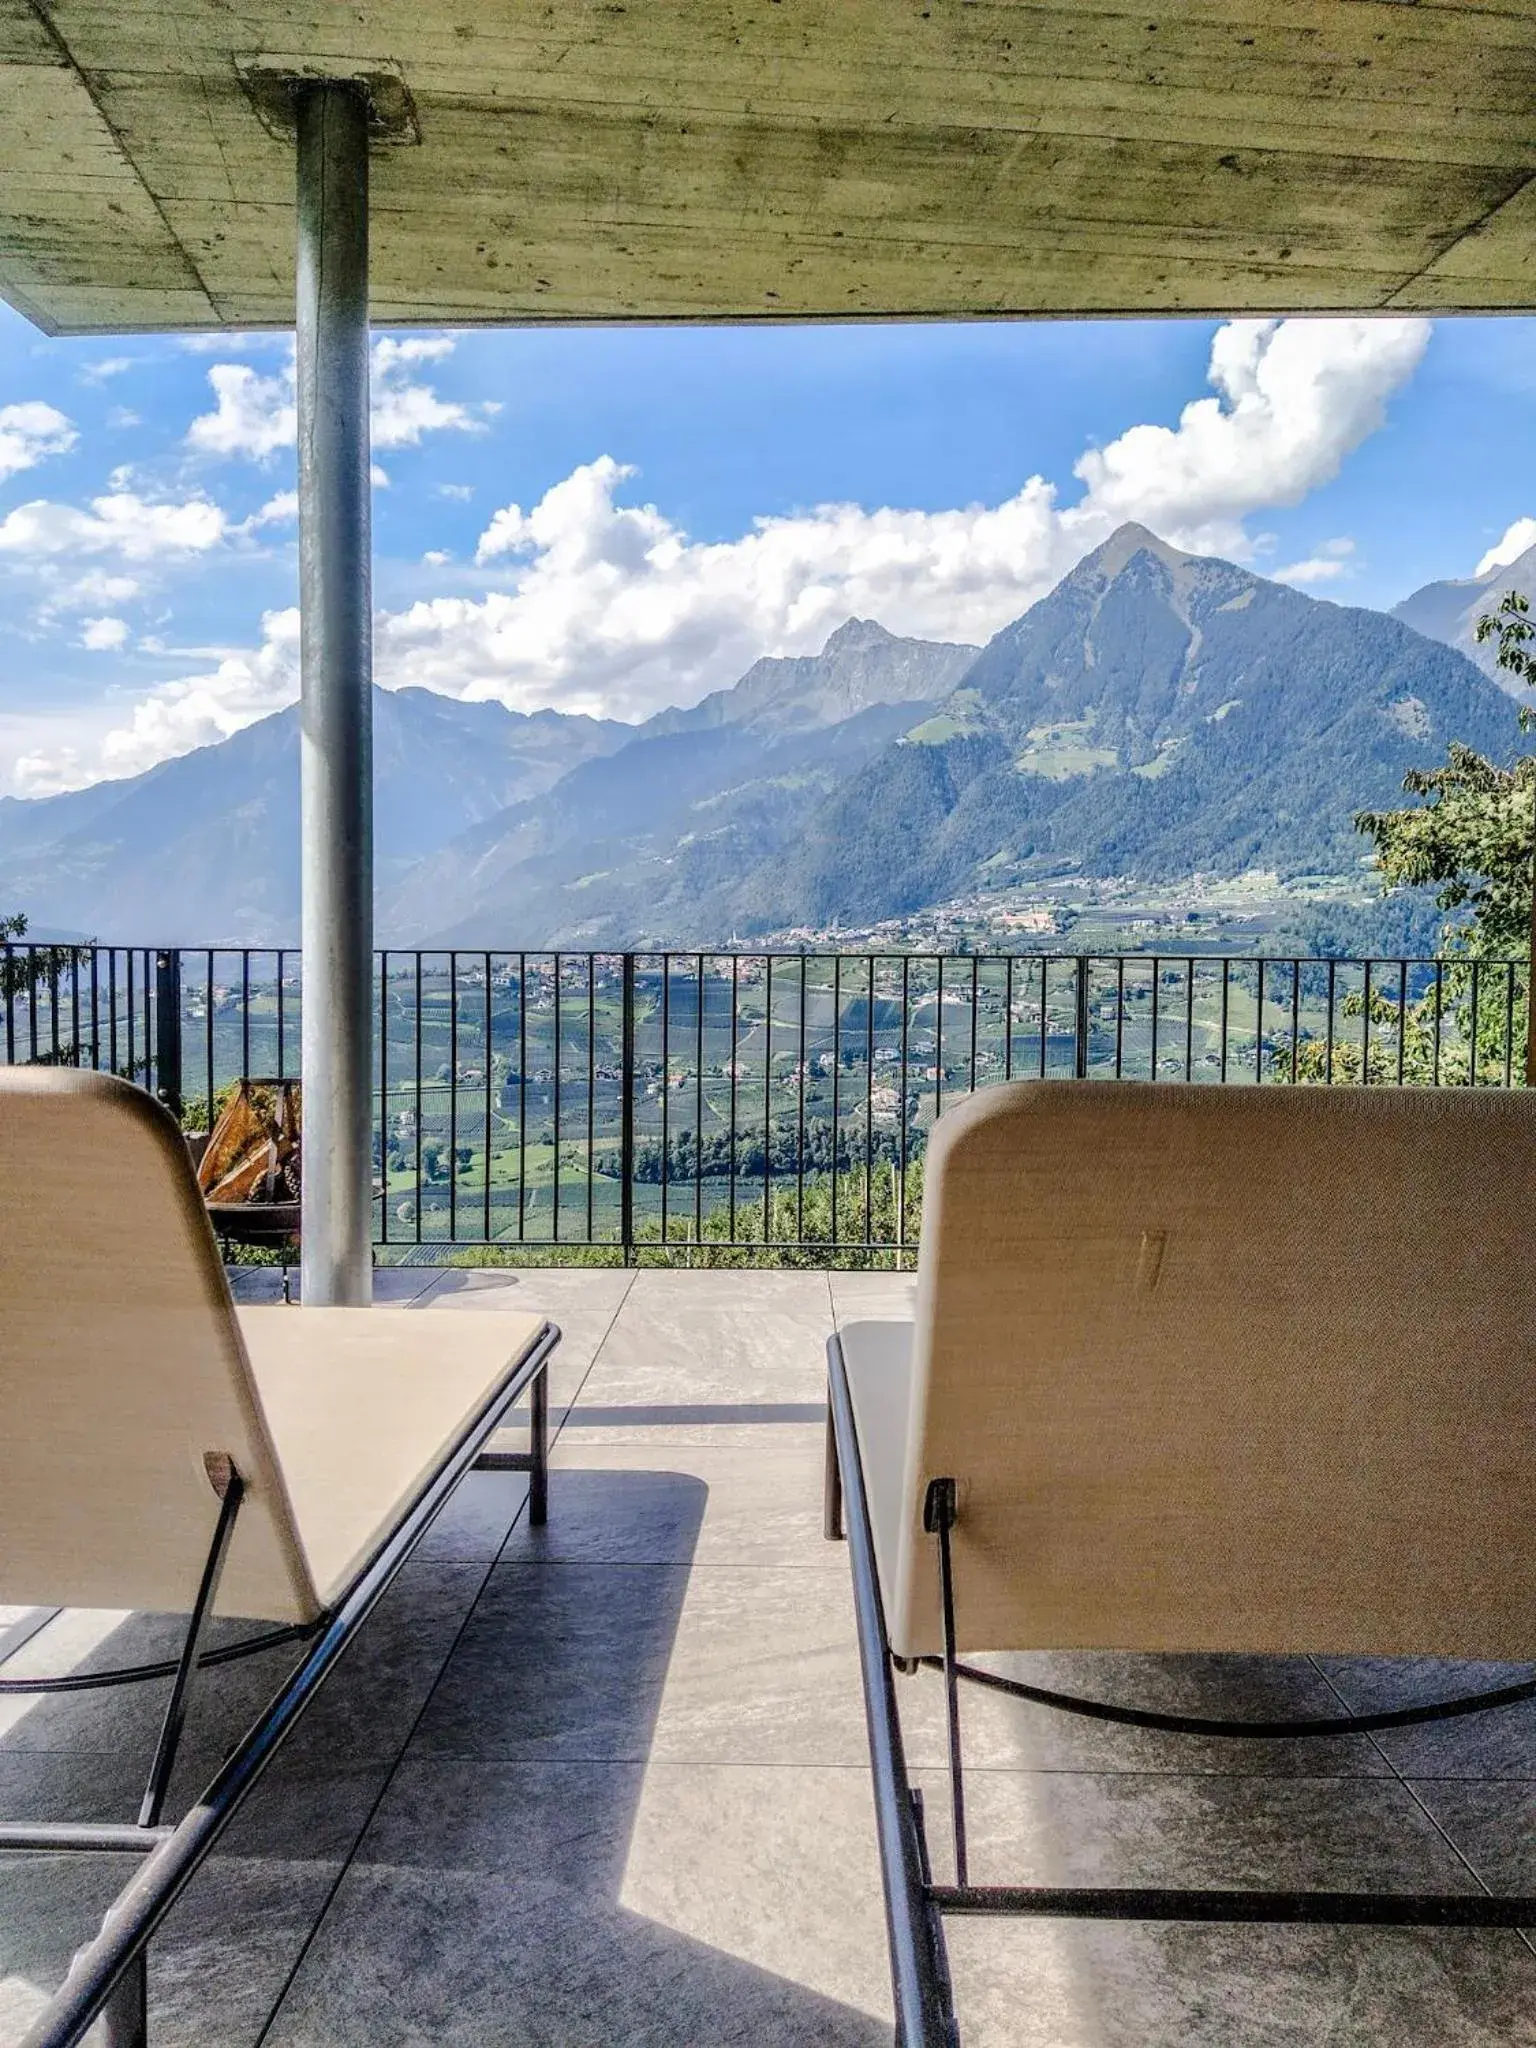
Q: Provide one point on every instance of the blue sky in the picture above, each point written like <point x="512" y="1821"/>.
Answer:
<point x="610" y="520"/>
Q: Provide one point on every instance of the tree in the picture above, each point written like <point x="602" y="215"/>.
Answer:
<point x="1476" y="837"/>
<point x="16" y="969"/>
<point x="21" y="971"/>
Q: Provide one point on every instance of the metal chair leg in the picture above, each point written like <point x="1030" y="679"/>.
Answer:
<point x="125" y="2016"/>
<point x="832" y="1488"/>
<point x="538" y="1478"/>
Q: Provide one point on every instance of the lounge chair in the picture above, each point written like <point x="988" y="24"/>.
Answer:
<point x="161" y="1449"/>
<point x="1192" y="1369"/>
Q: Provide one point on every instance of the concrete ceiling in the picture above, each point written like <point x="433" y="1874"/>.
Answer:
<point x="710" y="159"/>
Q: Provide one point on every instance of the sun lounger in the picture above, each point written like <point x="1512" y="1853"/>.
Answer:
<point x="1195" y="1369"/>
<point x="161" y="1449"/>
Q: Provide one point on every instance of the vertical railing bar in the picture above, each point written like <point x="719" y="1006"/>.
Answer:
<point x="128" y="1010"/>
<point x="1333" y="967"/>
<point x="95" y="1020"/>
<point x="801" y="1066"/>
<point x="453" y="1096"/>
<point x="1157" y="987"/>
<point x="112" y="1005"/>
<point x="1008" y="1020"/>
<point x="938" y="1041"/>
<point x="627" y="1105"/>
<point x="1189" y="1020"/>
<point x="1120" y="1017"/>
<point x="1365" y="1029"/>
<point x="8" y="982"/>
<point x="557" y="1097"/>
<point x="768" y="1099"/>
<point x="1226" y="1012"/>
<point x="245" y="1014"/>
<point x="591" y="1094"/>
<point x="489" y="1031"/>
<point x="1082" y="989"/>
<point x="1295" y="1020"/>
<point x="1258" y="1025"/>
<point x="522" y="1097"/>
<point x="1439" y="1016"/>
<point x="1472" y="1035"/>
<point x="698" y="1115"/>
<point x="383" y="1086"/>
<point x="901" y="1191"/>
<point x="869" y="1106"/>
<point x="837" y="1038"/>
<point x="281" y="1042"/>
<point x="207" y="1029"/>
<point x="419" y="1114"/>
<point x="1401" y="1020"/>
<point x="1045" y="1019"/>
<point x="666" y="1086"/>
<point x="975" y="1012"/>
<point x="1509" y="1023"/>
<point x="74" y="1002"/>
<point x="735" y="1062"/>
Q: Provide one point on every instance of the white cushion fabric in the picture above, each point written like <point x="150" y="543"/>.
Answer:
<point x="1224" y="1368"/>
<point x="123" y="1366"/>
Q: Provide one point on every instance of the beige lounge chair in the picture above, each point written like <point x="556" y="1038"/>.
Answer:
<point x="1191" y="1369"/>
<point x="162" y="1449"/>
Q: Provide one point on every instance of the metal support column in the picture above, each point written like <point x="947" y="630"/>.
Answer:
<point x="336" y="720"/>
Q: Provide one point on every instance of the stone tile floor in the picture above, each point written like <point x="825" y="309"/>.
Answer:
<point x="606" y="1782"/>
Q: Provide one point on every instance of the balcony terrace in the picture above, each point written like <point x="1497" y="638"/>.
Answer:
<point x="607" y="1782"/>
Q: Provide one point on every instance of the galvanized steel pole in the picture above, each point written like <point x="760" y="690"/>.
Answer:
<point x="336" y="718"/>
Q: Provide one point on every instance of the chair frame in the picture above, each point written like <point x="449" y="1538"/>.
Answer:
<point x="108" y="1977"/>
<point x="916" y="1907"/>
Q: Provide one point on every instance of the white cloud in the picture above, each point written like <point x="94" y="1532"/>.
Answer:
<point x="84" y="589"/>
<point x="416" y="348"/>
<point x="120" y="523"/>
<point x="1517" y="537"/>
<point x="109" y="366"/>
<point x="1295" y="397"/>
<point x="1329" y="563"/>
<point x="235" y="342"/>
<point x="253" y="415"/>
<point x="461" y="491"/>
<point x="104" y="636"/>
<point x="405" y="409"/>
<point x="196" y="711"/>
<point x="30" y="432"/>
<point x="280" y="510"/>
<point x="596" y="604"/>
<point x="256" y="416"/>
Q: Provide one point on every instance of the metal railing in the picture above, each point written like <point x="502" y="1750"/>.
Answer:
<point x="736" y="1100"/>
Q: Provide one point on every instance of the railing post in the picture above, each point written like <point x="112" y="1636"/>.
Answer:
<point x="627" y="1115"/>
<point x="1080" y="1066"/>
<point x="168" y="1028"/>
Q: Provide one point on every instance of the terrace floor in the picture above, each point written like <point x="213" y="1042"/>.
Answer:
<point x="606" y="1782"/>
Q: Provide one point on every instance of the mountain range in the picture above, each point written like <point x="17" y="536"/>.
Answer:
<point x="1157" y="714"/>
<point x="1449" y="611"/>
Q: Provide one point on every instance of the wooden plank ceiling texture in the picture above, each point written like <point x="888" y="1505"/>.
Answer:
<point x="709" y="159"/>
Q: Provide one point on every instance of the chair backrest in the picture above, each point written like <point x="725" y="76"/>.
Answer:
<point x="1228" y="1368"/>
<point x="121" y="1366"/>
